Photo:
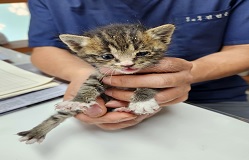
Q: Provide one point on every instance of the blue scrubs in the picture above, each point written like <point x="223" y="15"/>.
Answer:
<point x="202" y="28"/>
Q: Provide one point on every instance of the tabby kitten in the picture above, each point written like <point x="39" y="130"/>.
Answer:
<point x="124" y="48"/>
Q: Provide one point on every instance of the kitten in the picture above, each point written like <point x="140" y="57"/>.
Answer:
<point x="124" y="48"/>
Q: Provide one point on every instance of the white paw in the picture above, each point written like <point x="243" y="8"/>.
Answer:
<point x="145" y="107"/>
<point x="73" y="106"/>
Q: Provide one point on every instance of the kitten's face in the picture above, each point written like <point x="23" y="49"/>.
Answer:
<point x="122" y="47"/>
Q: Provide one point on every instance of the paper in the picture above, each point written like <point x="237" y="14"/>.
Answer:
<point x="15" y="81"/>
<point x="3" y="57"/>
<point x="28" y="99"/>
<point x="48" y="85"/>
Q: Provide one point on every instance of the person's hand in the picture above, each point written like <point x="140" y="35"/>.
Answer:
<point x="95" y="115"/>
<point x="98" y="115"/>
<point x="173" y="78"/>
<point x="74" y="87"/>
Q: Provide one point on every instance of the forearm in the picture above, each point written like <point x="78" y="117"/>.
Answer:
<point x="229" y="61"/>
<point x="60" y="63"/>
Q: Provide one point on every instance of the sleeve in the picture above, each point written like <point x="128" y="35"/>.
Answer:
<point x="42" y="30"/>
<point x="237" y="31"/>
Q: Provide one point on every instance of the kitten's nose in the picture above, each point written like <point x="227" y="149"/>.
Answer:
<point x="127" y="66"/>
<point x="126" y="63"/>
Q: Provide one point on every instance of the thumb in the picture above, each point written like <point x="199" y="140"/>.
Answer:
<point x="98" y="109"/>
<point x="71" y="91"/>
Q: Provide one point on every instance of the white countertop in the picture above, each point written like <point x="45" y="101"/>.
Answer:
<point x="178" y="132"/>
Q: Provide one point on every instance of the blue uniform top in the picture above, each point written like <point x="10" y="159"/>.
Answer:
<point x="202" y="28"/>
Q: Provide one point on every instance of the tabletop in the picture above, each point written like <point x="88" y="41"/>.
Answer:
<point x="178" y="132"/>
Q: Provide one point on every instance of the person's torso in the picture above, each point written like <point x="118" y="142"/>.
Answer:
<point x="200" y="29"/>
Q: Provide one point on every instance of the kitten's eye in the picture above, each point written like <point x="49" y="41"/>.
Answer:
<point x="141" y="54"/>
<point x="107" y="56"/>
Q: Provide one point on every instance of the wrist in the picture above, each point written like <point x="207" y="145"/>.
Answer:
<point x="202" y="70"/>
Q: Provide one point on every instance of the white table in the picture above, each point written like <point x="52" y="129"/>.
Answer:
<point x="178" y="132"/>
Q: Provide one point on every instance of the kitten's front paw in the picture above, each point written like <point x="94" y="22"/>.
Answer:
<point x="74" y="106"/>
<point x="145" y="107"/>
<point x="31" y="136"/>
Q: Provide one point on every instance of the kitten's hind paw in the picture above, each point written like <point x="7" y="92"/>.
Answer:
<point x="73" y="106"/>
<point x="30" y="137"/>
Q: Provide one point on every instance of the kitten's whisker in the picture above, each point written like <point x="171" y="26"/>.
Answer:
<point x="106" y="73"/>
<point x="113" y="71"/>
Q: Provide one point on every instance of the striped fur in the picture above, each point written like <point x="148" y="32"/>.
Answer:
<point x="120" y="47"/>
<point x="123" y="41"/>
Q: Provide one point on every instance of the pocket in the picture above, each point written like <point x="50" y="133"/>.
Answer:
<point x="198" y="35"/>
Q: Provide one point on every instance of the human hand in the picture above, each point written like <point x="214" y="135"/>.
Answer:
<point x="95" y="115"/>
<point x="172" y="76"/>
<point x="73" y="88"/>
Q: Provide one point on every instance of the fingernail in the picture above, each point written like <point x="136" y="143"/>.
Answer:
<point x="94" y="111"/>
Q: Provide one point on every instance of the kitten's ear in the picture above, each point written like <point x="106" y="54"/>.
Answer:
<point x="163" y="32"/>
<point x="74" y="42"/>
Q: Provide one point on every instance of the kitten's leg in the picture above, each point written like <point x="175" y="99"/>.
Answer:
<point x="84" y="99"/>
<point x="86" y="96"/>
<point x="143" y="102"/>
<point x="38" y="133"/>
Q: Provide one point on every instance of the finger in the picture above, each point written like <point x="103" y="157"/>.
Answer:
<point x="71" y="91"/>
<point x="110" y="117"/>
<point x="175" y="101"/>
<point x="169" y="64"/>
<point x="169" y="94"/>
<point x="125" y="124"/>
<point x="97" y="110"/>
<point x="122" y="95"/>
<point x="163" y="96"/>
<point x="113" y="126"/>
<point x="116" y="104"/>
<point x="121" y="125"/>
<point x="149" y="80"/>
<point x="74" y="86"/>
